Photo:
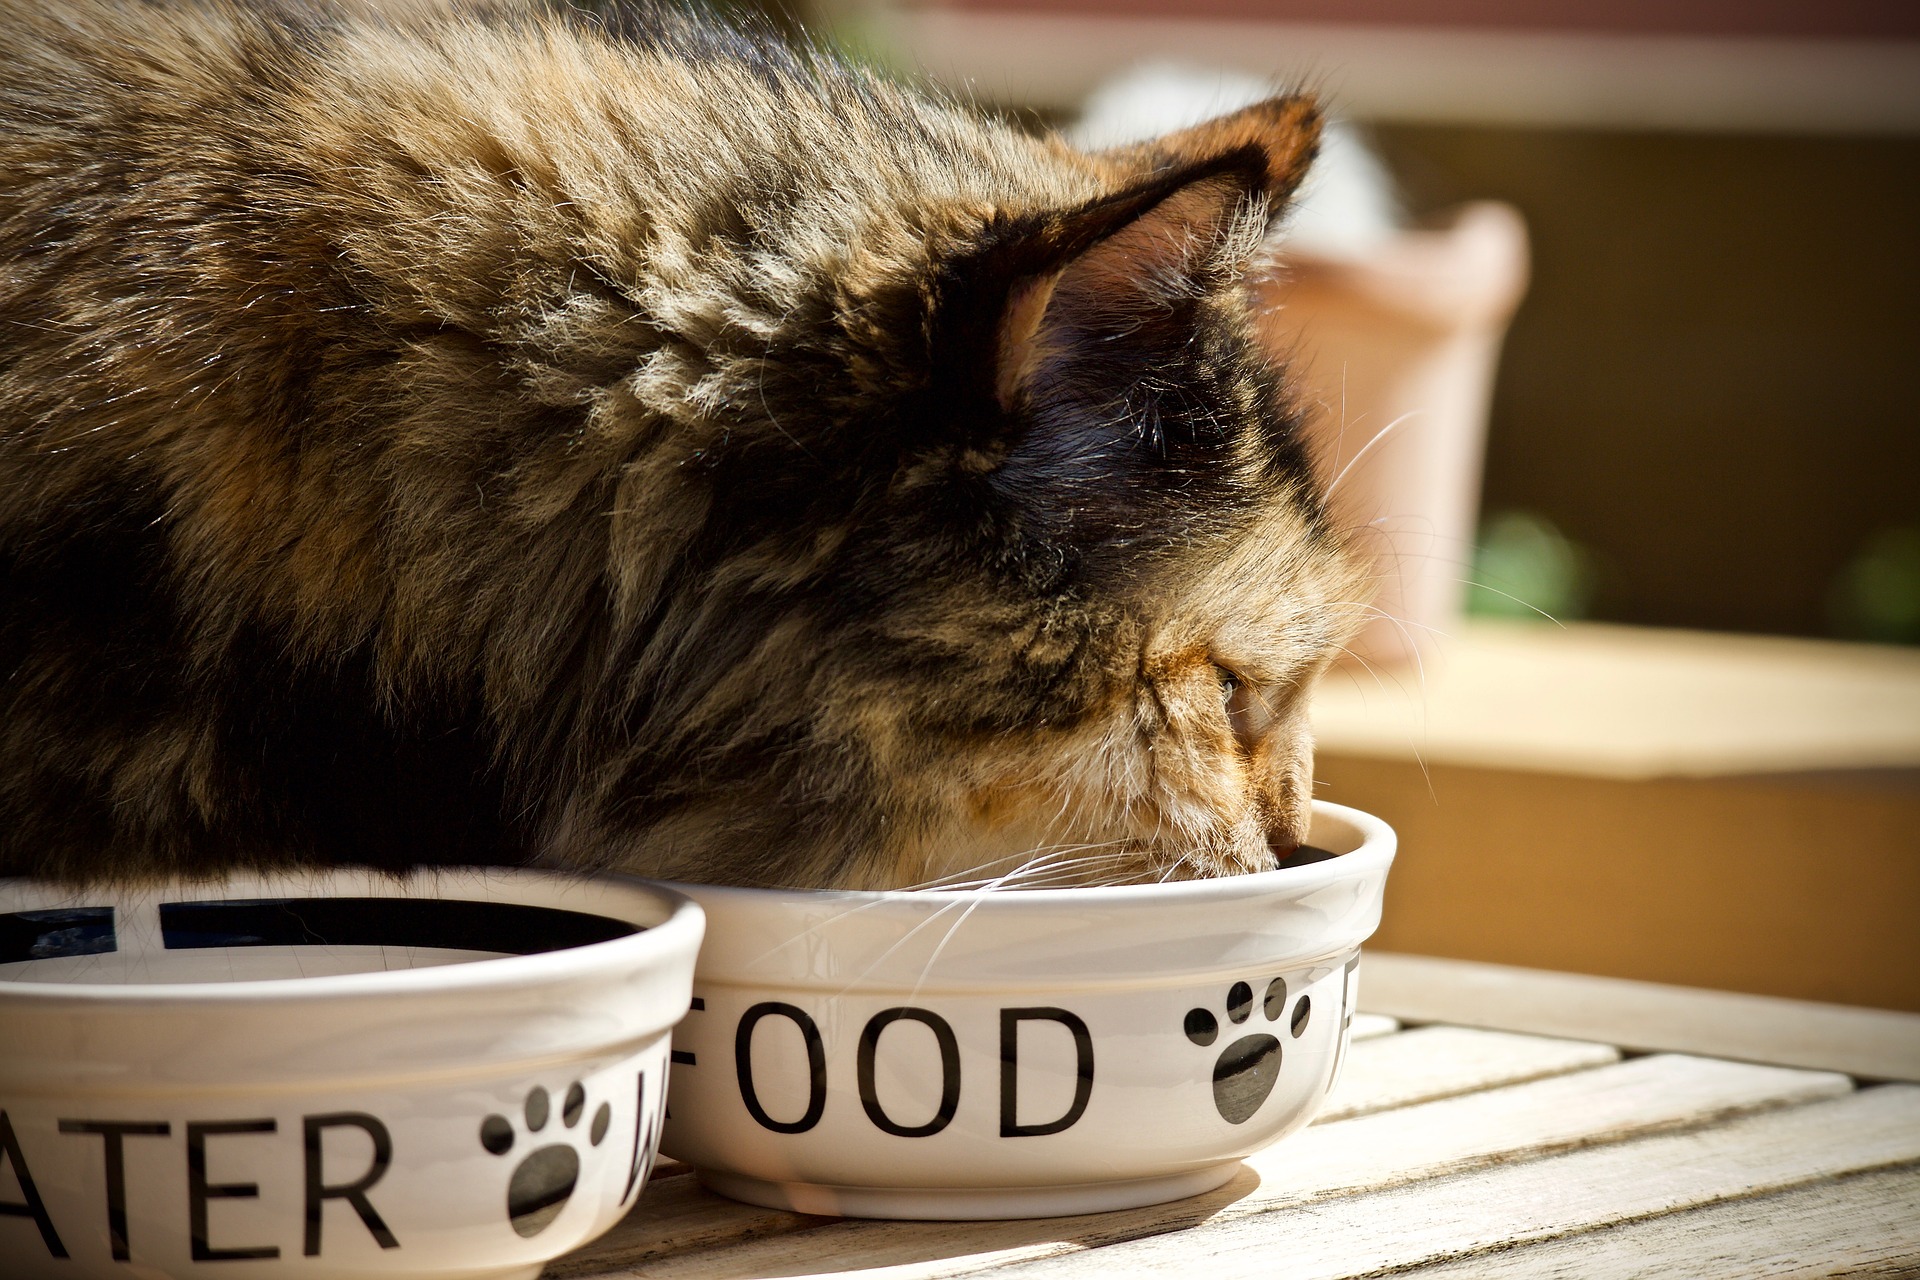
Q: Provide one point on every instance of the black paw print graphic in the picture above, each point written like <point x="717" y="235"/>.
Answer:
<point x="1246" y="1070"/>
<point x="543" y="1182"/>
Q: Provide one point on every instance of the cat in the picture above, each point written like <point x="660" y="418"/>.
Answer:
<point x="446" y="435"/>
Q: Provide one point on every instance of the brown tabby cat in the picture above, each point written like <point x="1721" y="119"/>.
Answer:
<point x="443" y="436"/>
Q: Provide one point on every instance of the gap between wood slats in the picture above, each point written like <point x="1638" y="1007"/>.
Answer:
<point x="1860" y="1225"/>
<point x="1874" y="1044"/>
<point x="1463" y="1217"/>
<point x="1316" y="1167"/>
<point x="1371" y="1026"/>
<point x="1438" y="1062"/>
<point x="676" y="1215"/>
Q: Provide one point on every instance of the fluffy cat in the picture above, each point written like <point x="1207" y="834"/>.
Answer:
<point x="439" y="436"/>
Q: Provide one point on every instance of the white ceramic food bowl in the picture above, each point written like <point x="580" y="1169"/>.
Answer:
<point x="1018" y="1054"/>
<point x="332" y="1075"/>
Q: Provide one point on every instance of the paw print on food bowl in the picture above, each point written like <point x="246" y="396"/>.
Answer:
<point x="1018" y="1054"/>
<point x="336" y="1075"/>
<point x="1247" y="1069"/>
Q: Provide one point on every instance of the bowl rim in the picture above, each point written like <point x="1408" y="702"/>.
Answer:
<point x="1374" y="852"/>
<point x="681" y="930"/>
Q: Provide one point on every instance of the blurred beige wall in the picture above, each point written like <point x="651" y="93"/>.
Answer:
<point x="1714" y="381"/>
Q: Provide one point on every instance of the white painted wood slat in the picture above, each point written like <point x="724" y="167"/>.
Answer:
<point x="1316" y="1167"/>
<point x="1867" y="1225"/>
<point x="1438" y="1062"/>
<point x="1383" y="1070"/>
<point x="678" y="1217"/>
<point x="1878" y="1044"/>
<point x="1536" y="1200"/>
<point x="1371" y="1026"/>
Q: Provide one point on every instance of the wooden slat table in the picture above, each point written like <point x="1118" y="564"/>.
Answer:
<point x="1732" y="811"/>
<point x="1446" y="1151"/>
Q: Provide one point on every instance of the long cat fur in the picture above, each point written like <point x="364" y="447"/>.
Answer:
<point x="435" y="435"/>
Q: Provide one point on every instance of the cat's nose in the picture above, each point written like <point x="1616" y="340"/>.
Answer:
<point x="1282" y="845"/>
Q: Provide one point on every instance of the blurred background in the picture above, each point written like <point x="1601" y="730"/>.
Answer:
<point x="1609" y="316"/>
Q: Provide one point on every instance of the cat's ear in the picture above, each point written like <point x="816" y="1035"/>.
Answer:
<point x="1128" y="262"/>
<point x="1284" y="131"/>
<point x="1121" y="273"/>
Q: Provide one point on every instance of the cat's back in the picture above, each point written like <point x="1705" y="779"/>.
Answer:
<point x="354" y="356"/>
<point x="434" y="162"/>
<point x="229" y="228"/>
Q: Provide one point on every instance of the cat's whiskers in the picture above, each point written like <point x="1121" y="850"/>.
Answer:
<point x="1174" y="866"/>
<point x="902" y="941"/>
<point x="1468" y="582"/>
<point x="1029" y="859"/>
<point x="953" y="929"/>
<point x="967" y="904"/>
<point x="1401" y="625"/>
<point x="1401" y="554"/>
<point x="1367" y="448"/>
<point x="955" y="882"/>
<point x="1420" y="679"/>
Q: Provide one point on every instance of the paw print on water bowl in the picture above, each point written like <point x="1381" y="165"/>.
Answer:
<point x="544" y="1180"/>
<point x="457" y="1074"/>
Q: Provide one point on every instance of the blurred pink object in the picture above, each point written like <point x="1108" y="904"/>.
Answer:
<point x="1395" y="350"/>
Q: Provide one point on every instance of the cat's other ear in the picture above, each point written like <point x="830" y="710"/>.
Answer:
<point x="1284" y="131"/>
<point x="1155" y="248"/>
<point x="1123" y="272"/>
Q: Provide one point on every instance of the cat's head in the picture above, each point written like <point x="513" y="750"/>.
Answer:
<point x="1046" y="582"/>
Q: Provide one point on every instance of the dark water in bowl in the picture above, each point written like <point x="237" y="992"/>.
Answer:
<point x="240" y="940"/>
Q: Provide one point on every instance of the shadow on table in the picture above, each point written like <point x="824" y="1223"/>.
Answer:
<point x="677" y="1216"/>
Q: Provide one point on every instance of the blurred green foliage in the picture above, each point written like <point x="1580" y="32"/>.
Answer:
<point x="1876" y="596"/>
<point x="1524" y="567"/>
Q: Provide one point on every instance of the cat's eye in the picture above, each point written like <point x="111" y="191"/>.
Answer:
<point x="1249" y="708"/>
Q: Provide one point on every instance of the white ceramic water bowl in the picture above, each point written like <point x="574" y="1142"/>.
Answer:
<point x="459" y="1074"/>
<point x="1018" y="1054"/>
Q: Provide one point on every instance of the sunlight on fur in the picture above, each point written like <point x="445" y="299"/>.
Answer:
<point x="466" y="434"/>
